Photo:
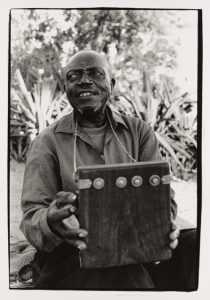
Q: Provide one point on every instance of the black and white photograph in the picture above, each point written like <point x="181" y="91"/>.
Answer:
<point x="104" y="149"/>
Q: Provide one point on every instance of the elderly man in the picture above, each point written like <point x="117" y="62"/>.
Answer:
<point x="92" y="134"/>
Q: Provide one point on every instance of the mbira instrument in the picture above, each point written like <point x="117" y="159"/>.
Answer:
<point x="126" y="211"/>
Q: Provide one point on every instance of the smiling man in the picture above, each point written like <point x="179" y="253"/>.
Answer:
<point x="91" y="134"/>
<point x="88" y="86"/>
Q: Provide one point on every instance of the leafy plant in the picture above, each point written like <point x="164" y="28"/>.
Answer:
<point x="139" y="46"/>
<point x="33" y="111"/>
<point x="171" y="118"/>
<point x="174" y="120"/>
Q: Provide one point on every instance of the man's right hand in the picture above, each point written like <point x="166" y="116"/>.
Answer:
<point x="60" y="209"/>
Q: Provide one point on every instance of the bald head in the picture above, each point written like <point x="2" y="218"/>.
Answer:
<point x="88" y="59"/>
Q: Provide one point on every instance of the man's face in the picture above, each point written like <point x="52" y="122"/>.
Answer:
<point x="87" y="82"/>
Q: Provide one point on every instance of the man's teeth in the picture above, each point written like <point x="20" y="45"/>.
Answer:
<point x="86" y="94"/>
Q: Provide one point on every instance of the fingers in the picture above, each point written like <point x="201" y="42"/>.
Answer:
<point x="74" y="237"/>
<point x="70" y="233"/>
<point x="61" y="207"/>
<point x="62" y="198"/>
<point x="175" y="231"/>
<point x="173" y="244"/>
<point x="55" y="215"/>
<point x="74" y="233"/>
<point x="173" y="225"/>
<point x="174" y="234"/>
<point x="81" y="245"/>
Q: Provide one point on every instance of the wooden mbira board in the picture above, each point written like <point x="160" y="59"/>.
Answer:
<point x="126" y="210"/>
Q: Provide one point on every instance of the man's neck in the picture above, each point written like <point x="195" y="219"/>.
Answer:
<point x="92" y="120"/>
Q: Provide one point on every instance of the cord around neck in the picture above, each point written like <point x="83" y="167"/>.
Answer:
<point x="115" y="135"/>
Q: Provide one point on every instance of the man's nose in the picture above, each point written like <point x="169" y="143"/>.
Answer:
<point x="85" y="79"/>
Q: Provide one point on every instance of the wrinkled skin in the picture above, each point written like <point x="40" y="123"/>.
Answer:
<point x="88" y="86"/>
<point x="88" y="72"/>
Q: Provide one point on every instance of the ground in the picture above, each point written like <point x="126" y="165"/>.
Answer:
<point x="186" y="198"/>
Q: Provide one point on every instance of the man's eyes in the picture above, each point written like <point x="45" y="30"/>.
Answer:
<point x="96" y="73"/>
<point x="73" y="76"/>
<point x="93" y="73"/>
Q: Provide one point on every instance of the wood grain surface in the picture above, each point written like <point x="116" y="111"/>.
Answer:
<point x="126" y="225"/>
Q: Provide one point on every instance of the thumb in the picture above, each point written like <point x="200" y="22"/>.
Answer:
<point x="56" y="215"/>
<point x="62" y="198"/>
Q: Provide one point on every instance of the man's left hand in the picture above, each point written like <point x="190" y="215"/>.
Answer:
<point x="174" y="234"/>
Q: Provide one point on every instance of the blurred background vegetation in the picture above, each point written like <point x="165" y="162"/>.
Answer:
<point x="144" y="48"/>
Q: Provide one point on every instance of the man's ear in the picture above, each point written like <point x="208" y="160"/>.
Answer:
<point x="112" y="82"/>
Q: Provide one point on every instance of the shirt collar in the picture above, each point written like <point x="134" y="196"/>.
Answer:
<point x="67" y="124"/>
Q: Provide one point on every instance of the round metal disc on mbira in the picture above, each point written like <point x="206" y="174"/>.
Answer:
<point x="154" y="180"/>
<point x="137" y="181"/>
<point x="121" y="182"/>
<point x="98" y="183"/>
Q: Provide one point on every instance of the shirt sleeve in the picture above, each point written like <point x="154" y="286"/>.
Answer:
<point x="41" y="183"/>
<point x="149" y="150"/>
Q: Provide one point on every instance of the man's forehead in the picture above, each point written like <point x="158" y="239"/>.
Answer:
<point x="87" y="59"/>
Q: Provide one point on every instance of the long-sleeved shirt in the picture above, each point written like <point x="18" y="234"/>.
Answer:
<point x="50" y="166"/>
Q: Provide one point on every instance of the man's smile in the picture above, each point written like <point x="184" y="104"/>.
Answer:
<point x="86" y="93"/>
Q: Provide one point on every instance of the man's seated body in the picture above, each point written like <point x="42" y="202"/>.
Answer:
<point x="91" y="134"/>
